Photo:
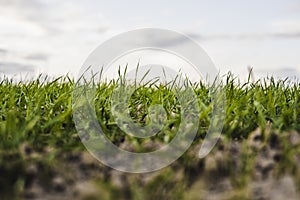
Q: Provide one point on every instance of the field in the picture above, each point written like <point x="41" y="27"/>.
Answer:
<point x="257" y="157"/>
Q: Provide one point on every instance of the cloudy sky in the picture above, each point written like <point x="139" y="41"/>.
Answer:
<point x="55" y="37"/>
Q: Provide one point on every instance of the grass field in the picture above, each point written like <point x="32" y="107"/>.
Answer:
<point x="41" y="154"/>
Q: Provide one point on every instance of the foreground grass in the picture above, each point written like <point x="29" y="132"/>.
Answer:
<point x="40" y="112"/>
<point x="37" y="117"/>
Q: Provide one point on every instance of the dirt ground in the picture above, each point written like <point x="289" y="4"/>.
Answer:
<point x="264" y="166"/>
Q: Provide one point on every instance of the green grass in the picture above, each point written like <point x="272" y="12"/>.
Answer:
<point x="39" y="113"/>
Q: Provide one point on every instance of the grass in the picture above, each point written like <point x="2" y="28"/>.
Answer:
<point x="39" y="113"/>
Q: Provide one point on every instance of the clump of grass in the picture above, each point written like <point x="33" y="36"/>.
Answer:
<point x="252" y="105"/>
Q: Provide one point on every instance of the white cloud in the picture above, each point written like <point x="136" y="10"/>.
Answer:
<point x="286" y="26"/>
<point x="59" y="35"/>
<point x="292" y="7"/>
<point x="61" y="31"/>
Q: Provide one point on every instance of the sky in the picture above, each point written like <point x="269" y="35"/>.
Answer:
<point x="55" y="37"/>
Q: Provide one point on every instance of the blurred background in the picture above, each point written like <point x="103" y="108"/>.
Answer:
<point x="55" y="37"/>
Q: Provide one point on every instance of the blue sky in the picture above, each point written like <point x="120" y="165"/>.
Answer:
<point x="55" y="37"/>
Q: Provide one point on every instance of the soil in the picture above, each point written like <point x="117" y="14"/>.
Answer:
<point x="264" y="166"/>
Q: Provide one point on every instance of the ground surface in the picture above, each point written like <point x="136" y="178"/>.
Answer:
<point x="257" y="157"/>
<point x="255" y="168"/>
